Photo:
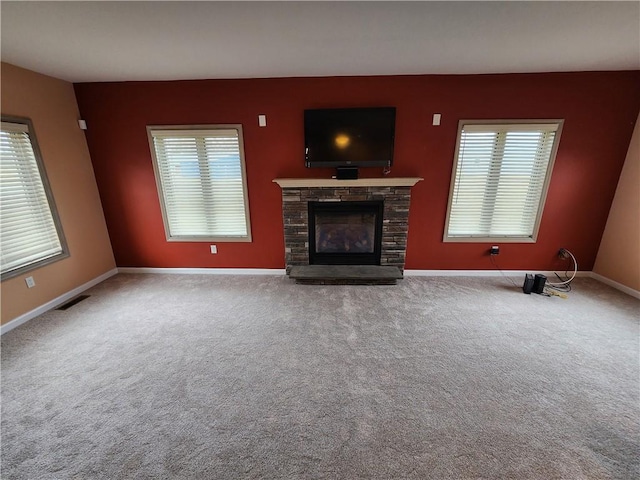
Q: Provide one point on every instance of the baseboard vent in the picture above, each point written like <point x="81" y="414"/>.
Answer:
<point x="73" y="302"/>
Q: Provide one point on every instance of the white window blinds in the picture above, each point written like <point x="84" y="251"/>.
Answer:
<point x="500" y="177"/>
<point x="201" y="178"/>
<point x="29" y="235"/>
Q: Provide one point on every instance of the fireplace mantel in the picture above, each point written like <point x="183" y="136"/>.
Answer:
<point x="360" y="182"/>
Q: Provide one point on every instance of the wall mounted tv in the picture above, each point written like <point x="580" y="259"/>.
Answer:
<point x="349" y="137"/>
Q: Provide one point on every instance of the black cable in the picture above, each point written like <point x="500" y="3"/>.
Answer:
<point x="501" y="272"/>
<point x="575" y="270"/>
<point x="565" y="284"/>
<point x="560" y="288"/>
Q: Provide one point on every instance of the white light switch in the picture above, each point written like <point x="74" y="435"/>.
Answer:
<point x="436" y="118"/>
<point x="214" y="249"/>
<point x="82" y="124"/>
<point x="262" y="120"/>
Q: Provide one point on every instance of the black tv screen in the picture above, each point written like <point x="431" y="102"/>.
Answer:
<point x="349" y="137"/>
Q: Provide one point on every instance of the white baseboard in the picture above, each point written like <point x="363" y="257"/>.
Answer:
<point x="25" y="317"/>
<point x="481" y="273"/>
<point x="282" y="271"/>
<point x="616" y="285"/>
<point x="205" y="271"/>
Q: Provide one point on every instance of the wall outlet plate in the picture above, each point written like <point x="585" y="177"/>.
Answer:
<point x="30" y="282"/>
<point x="214" y="249"/>
<point x="495" y="250"/>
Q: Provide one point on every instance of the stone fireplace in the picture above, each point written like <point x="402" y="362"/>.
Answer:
<point x="390" y="195"/>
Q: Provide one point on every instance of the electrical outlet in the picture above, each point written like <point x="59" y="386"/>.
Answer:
<point x="494" y="250"/>
<point x="30" y="282"/>
<point x="562" y="253"/>
<point x="214" y="249"/>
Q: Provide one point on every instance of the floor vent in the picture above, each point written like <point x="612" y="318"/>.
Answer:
<point x="72" y="302"/>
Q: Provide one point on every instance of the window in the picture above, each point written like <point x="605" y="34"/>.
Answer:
<point x="31" y="235"/>
<point x="500" y="178"/>
<point x="201" y="182"/>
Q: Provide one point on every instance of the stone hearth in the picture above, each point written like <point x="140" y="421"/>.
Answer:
<point x="394" y="192"/>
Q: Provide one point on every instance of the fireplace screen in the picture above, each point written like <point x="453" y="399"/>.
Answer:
<point x="353" y="233"/>
<point x="345" y="233"/>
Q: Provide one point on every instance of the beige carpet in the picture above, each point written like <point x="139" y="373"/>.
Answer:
<point x="234" y="377"/>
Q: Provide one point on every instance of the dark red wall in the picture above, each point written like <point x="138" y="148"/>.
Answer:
<point x="599" y="110"/>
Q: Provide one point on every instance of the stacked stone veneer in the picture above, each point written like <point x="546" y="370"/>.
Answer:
<point x="395" y="219"/>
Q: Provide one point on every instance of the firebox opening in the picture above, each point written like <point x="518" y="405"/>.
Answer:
<point x="345" y="233"/>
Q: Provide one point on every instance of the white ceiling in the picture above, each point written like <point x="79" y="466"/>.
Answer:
<point x="115" y="41"/>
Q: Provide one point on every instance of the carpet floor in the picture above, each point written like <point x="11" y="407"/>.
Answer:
<point x="246" y="377"/>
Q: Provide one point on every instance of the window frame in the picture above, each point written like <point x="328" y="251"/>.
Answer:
<point x="156" y="170"/>
<point x="18" y="271"/>
<point x="543" y="195"/>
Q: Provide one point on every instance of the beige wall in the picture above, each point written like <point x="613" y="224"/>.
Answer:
<point x="619" y="255"/>
<point x="51" y="105"/>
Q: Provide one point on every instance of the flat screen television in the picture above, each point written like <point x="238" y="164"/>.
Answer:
<point x="349" y="137"/>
